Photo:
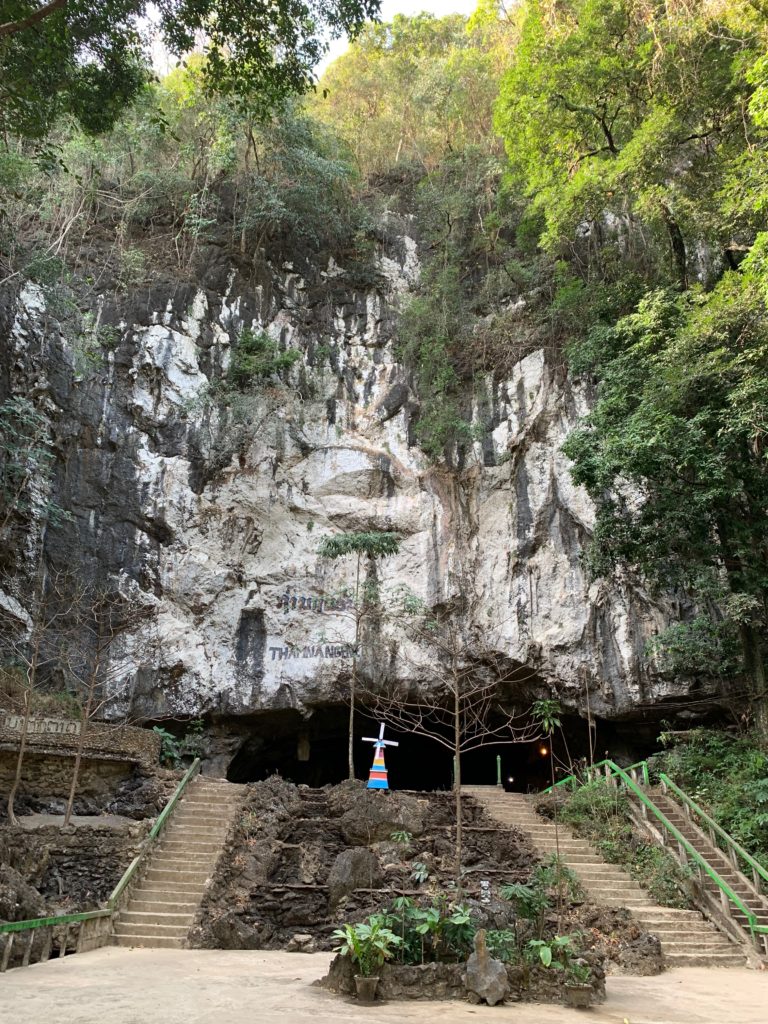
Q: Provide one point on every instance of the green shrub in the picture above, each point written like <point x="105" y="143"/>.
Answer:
<point x="728" y="776"/>
<point x="256" y="357"/>
<point x="599" y="812"/>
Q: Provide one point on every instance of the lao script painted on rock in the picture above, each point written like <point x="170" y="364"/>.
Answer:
<point x="43" y="726"/>
<point x="288" y="602"/>
<point x="313" y="651"/>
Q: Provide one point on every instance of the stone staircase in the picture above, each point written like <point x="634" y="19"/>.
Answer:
<point x="740" y="884"/>
<point x="687" y="939"/>
<point x="162" y="908"/>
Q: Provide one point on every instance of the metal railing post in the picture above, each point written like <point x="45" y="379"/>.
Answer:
<point x="498" y="769"/>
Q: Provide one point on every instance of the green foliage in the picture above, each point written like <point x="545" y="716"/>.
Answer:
<point x="368" y="944"/>
<point x="555" y="953"/>
<point x="132" y="268"/>
<point x="728" y="776"/>
<point x="89" y="60"/>
<point x="170" y="747"/>
<point x="546" y="713"/>
<point x="420" y="872"/>
<point x="599" y="812"/>
<point x="413" y="90"/>
<point x="639" y="136"/>
<point x="438" y="931"/>
<point x="257" y="357"/>
<point x="372" y="544"/>
<point x="703" y="645"/>
<point x="26" y="464"/>
<point x="182" y="166"/>
<point x="669" y="422"/>
<point x="173" y="749"/>
<point x="578" y="971"/>
<point x="502" y="945"/>
<point x="402" y="838"/>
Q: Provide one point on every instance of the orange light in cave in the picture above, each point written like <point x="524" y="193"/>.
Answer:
<point x="543" y="751"/>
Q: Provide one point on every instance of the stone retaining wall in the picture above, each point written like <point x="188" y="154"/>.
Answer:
<point x="50" y="775"/>
<point x="62" y="735"/>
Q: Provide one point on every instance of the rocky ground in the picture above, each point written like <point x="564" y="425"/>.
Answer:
<point x="50" y="869"/>
<point x="301" y="862"/>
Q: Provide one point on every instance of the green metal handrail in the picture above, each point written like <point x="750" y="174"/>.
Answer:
<point x="155" y="831"/>
<point x="575" y="779"/>
<point x="756" y="866"/>
<point x="614" y="770"/>
<point x="48" y="922"/>
<point x="108" y="911"/>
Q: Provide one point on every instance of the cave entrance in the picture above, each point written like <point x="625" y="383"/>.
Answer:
<point x="313" y="752"/>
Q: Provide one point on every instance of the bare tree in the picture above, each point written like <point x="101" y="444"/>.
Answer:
<point x="33" y="645"/>
<point x="94" y="673"/>
<point x="371" y="545"/>
<point x="458" y="701"/>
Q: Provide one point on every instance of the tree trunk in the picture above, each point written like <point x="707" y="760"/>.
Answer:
<point x="457" y="781"/>
<point x="12" y="819"/>
<point x="754" y="666"/>
<point x="558" y="869"/>
<point x="353" y="682"/>
<point x="678" y="245"/>
<point x="80" y="747"/>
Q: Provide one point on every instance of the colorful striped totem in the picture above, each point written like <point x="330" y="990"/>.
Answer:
<point x="378" y="775"/>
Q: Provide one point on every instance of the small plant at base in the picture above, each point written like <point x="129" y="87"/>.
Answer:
<point x="402" y="838"/>
<point x="368" y="944"/>
<point x="502" y="944"/>
<point x="578" y="972"/>
<point x="170" y="747"/>
<point x="420" y="872"/>
<point x="550" y="953"/>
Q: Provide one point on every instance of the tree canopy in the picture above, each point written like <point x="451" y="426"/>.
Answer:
<point x="638" y="133"/>
<point x="90" y="60"/>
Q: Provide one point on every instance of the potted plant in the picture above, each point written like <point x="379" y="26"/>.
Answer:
<point x="578" y="990"/>
<point x="367" y="944"/>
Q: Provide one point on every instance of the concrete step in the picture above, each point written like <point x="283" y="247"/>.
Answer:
<point x="162" y="906"/>
<point x="193" y="845"/>
<point x="177" y="863"/>
<point x="198" y="878"/>
<point x="178" y="856"/>
<point x="205" y="822"/>
<point x="710" y="943"/>
<point x="619" y="883"/>
<point x="172" y="931"/>
<point x="141" y="917"/>
<point x="149" y="941"/>
<point x="184" y="892"/>
<point x="705" y="960"/>
<point x="196" y="827"/>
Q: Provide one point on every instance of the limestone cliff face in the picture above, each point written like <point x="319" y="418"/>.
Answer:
<point x="212" y="513"/>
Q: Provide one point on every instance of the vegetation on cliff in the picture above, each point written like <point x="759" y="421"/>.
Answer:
<point x="587" y="175"/>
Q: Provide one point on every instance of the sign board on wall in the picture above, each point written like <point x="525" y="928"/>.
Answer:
<point x="43" y="726"/>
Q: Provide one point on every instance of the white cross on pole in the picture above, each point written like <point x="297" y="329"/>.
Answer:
<point x="380" y="741"/>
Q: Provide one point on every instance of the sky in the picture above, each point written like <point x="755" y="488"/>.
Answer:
<point x="390" y="8"/>
<point x="163" y="63"/>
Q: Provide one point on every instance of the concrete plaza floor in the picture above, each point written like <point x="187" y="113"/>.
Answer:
<point x="165" y="986"/>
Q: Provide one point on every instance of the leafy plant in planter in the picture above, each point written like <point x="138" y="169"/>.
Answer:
<point x="578" y="991"/>
<point x="368" y="944"/>
<point x="550" y="953"/>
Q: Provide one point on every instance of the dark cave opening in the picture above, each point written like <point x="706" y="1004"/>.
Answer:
<point x="313" y="751"/>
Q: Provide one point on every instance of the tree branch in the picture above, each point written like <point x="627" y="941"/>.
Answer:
<point x="11" y="28"/>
